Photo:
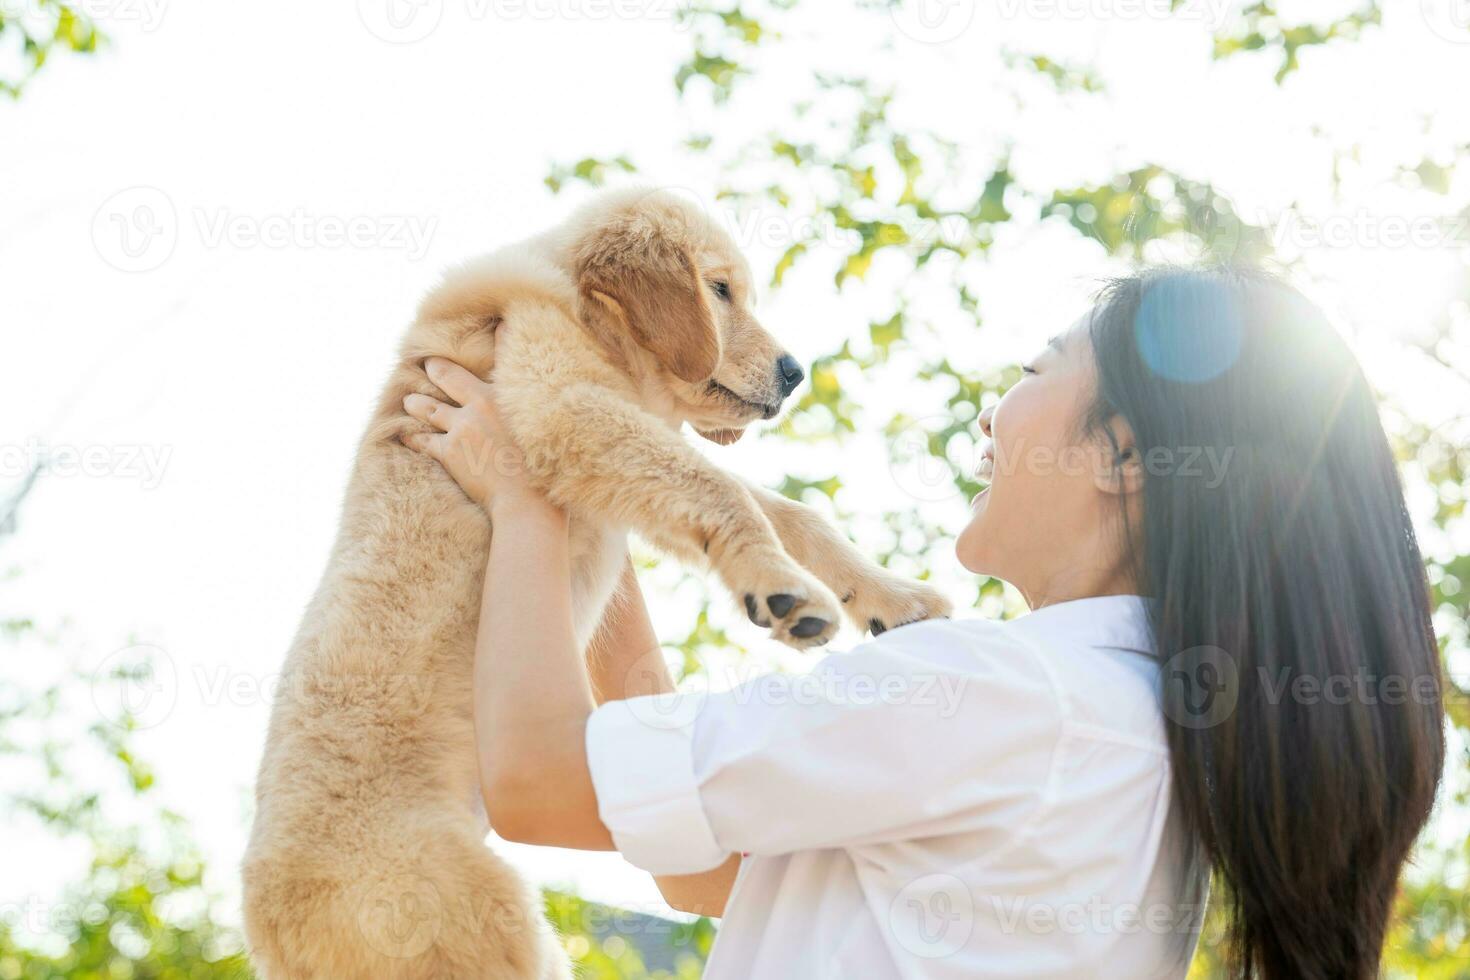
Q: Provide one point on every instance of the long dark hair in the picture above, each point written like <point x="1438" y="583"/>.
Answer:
<point x="1301" y="677"/>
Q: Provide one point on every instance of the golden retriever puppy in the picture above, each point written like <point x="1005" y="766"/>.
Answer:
<point x="367" y="857"/>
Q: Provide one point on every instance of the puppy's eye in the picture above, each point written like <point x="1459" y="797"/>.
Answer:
<point x="721" y="288"/>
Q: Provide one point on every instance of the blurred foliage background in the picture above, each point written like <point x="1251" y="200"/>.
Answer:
<point x="33" y="30"/>
<point x="865" y="185"/>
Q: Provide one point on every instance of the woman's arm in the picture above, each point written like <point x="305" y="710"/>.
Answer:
<point x="531" y="690"/>
<point x="532" y="697"/>
<point x="625" y="661"/>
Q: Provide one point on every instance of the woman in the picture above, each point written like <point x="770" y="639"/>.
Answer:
<point x="1044" y="797"/>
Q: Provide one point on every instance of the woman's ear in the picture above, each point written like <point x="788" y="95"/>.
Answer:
<point x="1120" y="467"/>
<point x="637" y="280"/>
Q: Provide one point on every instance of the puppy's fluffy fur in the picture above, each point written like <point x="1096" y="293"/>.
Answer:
<point x="367" y="859"/>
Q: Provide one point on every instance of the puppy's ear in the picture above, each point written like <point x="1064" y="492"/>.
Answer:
<point x="651" y="288"/>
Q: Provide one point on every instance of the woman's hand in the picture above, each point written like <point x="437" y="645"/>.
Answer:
<point x="472" y="442"/>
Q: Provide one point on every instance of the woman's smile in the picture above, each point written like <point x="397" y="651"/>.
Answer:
<point x="985" y="469"/>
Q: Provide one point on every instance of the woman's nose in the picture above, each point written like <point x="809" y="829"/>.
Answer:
<point x="985" y="418"/>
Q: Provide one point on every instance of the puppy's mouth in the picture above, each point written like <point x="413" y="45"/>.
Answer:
<point x="744" y="407"/>
<point x="722" y="436"/>
<point x="759" y="409"/>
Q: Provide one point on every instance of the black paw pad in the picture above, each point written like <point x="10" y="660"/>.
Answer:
<point x="781" y="603"/>
<point x="807" y="627"/>
<point x="875" y="626"/>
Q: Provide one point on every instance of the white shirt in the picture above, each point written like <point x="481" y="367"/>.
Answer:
<point x="952" y="799"/>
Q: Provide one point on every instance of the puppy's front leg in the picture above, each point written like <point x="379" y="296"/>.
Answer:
<point x="597" y="454"/>
<point x="875" y="598"/>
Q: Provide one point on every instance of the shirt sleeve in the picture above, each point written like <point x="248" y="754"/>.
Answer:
<point x="936" y="728"/>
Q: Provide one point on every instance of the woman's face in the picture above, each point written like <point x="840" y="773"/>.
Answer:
<point x="1045" y="521"/>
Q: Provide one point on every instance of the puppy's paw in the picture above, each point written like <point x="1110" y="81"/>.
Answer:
<point x="798" y="610"/>
<point x="883" y="600"/>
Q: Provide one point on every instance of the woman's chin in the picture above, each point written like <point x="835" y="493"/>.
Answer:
<point x="969" y="547"/>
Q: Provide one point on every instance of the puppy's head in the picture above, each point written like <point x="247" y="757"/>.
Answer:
<point x="654" y="272"/>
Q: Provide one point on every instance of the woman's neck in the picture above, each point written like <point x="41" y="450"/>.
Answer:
<point x="1078" y="580"/>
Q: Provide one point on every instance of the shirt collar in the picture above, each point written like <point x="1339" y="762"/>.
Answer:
<point x="1118" y="622"/>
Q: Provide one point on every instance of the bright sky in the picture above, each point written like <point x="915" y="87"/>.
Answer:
<point x="212" y="234"/>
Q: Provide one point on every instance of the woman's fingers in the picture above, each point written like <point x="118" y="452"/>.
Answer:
<point x="429" y="410"/>
<point x="429" y="443"/>
<point x="452" y="379"/>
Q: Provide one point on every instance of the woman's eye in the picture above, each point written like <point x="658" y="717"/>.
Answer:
<point x="722" y="289"/>
<point x="1027" y="369"/>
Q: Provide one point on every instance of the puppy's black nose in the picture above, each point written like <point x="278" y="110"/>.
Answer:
<point x="790" y="372"/>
